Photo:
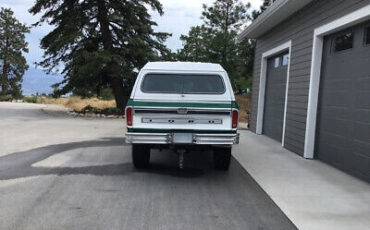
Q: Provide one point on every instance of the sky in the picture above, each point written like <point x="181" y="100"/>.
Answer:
<point x="179" y="16"/>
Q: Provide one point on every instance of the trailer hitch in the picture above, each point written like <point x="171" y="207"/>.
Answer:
<point x="181" y="153"/>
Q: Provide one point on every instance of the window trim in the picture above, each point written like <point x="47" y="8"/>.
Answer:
<point x="278" y="50"/>
<point x="183" y="74"/>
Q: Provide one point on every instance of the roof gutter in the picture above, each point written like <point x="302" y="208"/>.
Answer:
<point x="274" y="15"/>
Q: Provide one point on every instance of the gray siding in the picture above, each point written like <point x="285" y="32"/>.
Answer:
<point x="298" y="28"/>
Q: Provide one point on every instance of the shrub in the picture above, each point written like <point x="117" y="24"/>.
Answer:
<point x="6" y="98"/>
<point x="30" y="99"/>
<point x="105" y="111"/>
<point x="78" y="104"/>
<point x="106" y="94"/>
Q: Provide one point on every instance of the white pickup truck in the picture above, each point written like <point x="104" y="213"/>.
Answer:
<point x="184" y="106"/>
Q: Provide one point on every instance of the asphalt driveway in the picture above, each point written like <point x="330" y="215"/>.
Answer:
<point x="89" y="182"/>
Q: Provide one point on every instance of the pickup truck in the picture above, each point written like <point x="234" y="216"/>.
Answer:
<point x="184" y="106"/>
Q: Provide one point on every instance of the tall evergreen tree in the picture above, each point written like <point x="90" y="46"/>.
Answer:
<point x="215" y="41"/>
<point x="245" y="64"/>
<point x="223" y="19"/>
<point x="247" y="48"/>
<point x="99" y="42"/>
<point x="263" y="8"/>
<point x="196" y="46"/>
<point x="12" y="45"/>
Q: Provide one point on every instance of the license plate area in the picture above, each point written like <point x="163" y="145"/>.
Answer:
<point x="182" y="138"/>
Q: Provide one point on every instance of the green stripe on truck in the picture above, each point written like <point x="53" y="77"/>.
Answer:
<point x="232" y="105"/>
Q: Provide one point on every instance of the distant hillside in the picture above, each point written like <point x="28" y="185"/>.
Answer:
<point x="37" y="81"/>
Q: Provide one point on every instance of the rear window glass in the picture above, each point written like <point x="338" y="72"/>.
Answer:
<point x="183" y="84"/>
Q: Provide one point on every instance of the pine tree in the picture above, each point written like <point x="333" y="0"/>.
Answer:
<point x="223" y="19"/>
<point x="265" y="4"/>
<point x="12" y="46"/>
<point x="263" y="8"/>
<point x="196" y="46"/>
<point x="99" y="42"/>
<point x="216" y="40"/>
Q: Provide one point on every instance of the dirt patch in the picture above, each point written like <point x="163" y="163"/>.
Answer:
<point x="244" y="102"/>
<point x="78" y="104"/>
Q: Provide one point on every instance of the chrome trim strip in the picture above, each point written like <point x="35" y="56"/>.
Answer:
<point x="167" y="138"/>
<point x="217" y="135"/>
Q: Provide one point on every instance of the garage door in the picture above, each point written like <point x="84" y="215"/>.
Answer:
<point x="275" y="96"/>
<point x="343" y="128"/>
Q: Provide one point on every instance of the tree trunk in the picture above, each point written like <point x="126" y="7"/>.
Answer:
<point x="4" y="77"/>
<point x="3" y="85"/>
<point x="116" y="82"/>
<point x="125" y="99"/>
<point x="98" y="91"/>
<point x="119" y="93"/>
<point x="104" y="25"/>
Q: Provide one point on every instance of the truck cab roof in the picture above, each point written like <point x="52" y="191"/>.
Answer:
<point x="184" y="66"/>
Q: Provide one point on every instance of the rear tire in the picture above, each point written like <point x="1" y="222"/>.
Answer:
<point x="140" y="156"/>
<point x="221" y="158"/>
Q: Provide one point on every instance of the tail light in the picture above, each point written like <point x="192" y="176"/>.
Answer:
<point x="129" y="116"/>
<point x="235" y="119"/>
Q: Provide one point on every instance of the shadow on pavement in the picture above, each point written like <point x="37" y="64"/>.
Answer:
<point x="18" y="165"/>
<point x="233" y="194"/>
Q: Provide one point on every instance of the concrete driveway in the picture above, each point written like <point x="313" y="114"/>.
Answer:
<point x="58" y="172"/>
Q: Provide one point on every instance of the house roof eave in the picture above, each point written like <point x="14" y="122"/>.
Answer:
<point x="274" y="15"/>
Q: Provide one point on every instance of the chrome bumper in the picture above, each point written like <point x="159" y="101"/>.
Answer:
<point x="197" y="139"/>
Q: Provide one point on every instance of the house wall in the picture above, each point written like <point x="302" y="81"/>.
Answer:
<point x="299" y="29"/>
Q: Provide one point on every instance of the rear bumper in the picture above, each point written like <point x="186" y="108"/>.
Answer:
<point x="197" y="139"/>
